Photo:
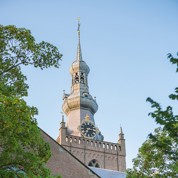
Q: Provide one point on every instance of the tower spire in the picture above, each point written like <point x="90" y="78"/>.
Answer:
<point x="79" y="102"/>
<point x="79" y="52"/>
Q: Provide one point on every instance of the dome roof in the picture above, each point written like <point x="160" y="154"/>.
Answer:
<point x="79" y="66"/>
<point x="73" y="102"/>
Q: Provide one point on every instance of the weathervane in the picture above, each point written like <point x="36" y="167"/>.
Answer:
<point x="78" y="19"/>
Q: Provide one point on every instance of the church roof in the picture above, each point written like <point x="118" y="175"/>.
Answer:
<point x="64" y="163"/>
<point x="106" y="173"/>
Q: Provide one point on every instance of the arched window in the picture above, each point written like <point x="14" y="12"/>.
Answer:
<point x="82" y="78"/>
<point x="76" y="78"/>
<point x="93" y="163"/>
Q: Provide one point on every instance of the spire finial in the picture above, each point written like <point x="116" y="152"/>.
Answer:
<point x="121" y="132"/>
<point x="78" y="29"/>
<point x="78" y="19"/>
<point x="79" y="53"/>
<point x="62" y="116"/>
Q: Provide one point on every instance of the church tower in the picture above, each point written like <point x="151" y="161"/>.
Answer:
<point x="79" y="134"/>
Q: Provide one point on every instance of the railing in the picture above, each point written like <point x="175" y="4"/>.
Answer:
<point x="81" y="142"/>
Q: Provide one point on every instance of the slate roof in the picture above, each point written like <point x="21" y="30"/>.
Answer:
<point x="106" y="173"/>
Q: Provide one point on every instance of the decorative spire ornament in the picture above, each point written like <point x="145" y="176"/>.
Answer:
<point x="78" y="30"/>
<point x="79" y="52"/>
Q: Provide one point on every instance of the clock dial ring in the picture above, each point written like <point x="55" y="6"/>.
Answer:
<point x="88" y="129"/>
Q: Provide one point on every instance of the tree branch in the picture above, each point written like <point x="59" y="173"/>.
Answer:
<point x="13" y="66"/>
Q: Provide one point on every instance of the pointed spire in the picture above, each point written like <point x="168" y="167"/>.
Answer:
<point x="121" y="134"/>
<point x="79" y="52"/>
<point x="62" y="122"/>
<point x="62" y="118"/>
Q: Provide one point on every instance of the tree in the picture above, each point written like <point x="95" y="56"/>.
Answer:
<point x="23" y="153"/>
<point x="158" y="155"/>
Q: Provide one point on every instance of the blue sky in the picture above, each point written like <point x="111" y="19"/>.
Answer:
<point x="124" y="42"/>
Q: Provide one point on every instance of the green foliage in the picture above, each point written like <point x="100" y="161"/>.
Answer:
<point x="21" y="143"/>
<point x="158" y="155"/>
<point x="18" y="47"/>
<point x="23" y="153"/>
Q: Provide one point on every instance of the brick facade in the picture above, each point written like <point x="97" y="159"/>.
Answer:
<point x="64" y="163"/>
<point x="108" y="155"/>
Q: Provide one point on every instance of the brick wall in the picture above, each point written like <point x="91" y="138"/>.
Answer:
<point x="64" y="163"/>
<point x="108" y="155"/>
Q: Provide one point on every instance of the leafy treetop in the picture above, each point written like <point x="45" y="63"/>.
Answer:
<point x="158" y="155"/>
<point x="23" y="153"/>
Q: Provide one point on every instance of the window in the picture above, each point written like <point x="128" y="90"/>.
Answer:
<point x="76" y="78"/>
<point x="93" y="163"/>
<point x="82" y="78"/>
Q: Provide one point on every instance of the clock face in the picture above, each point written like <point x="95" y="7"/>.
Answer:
<point x="88" y="129"/>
